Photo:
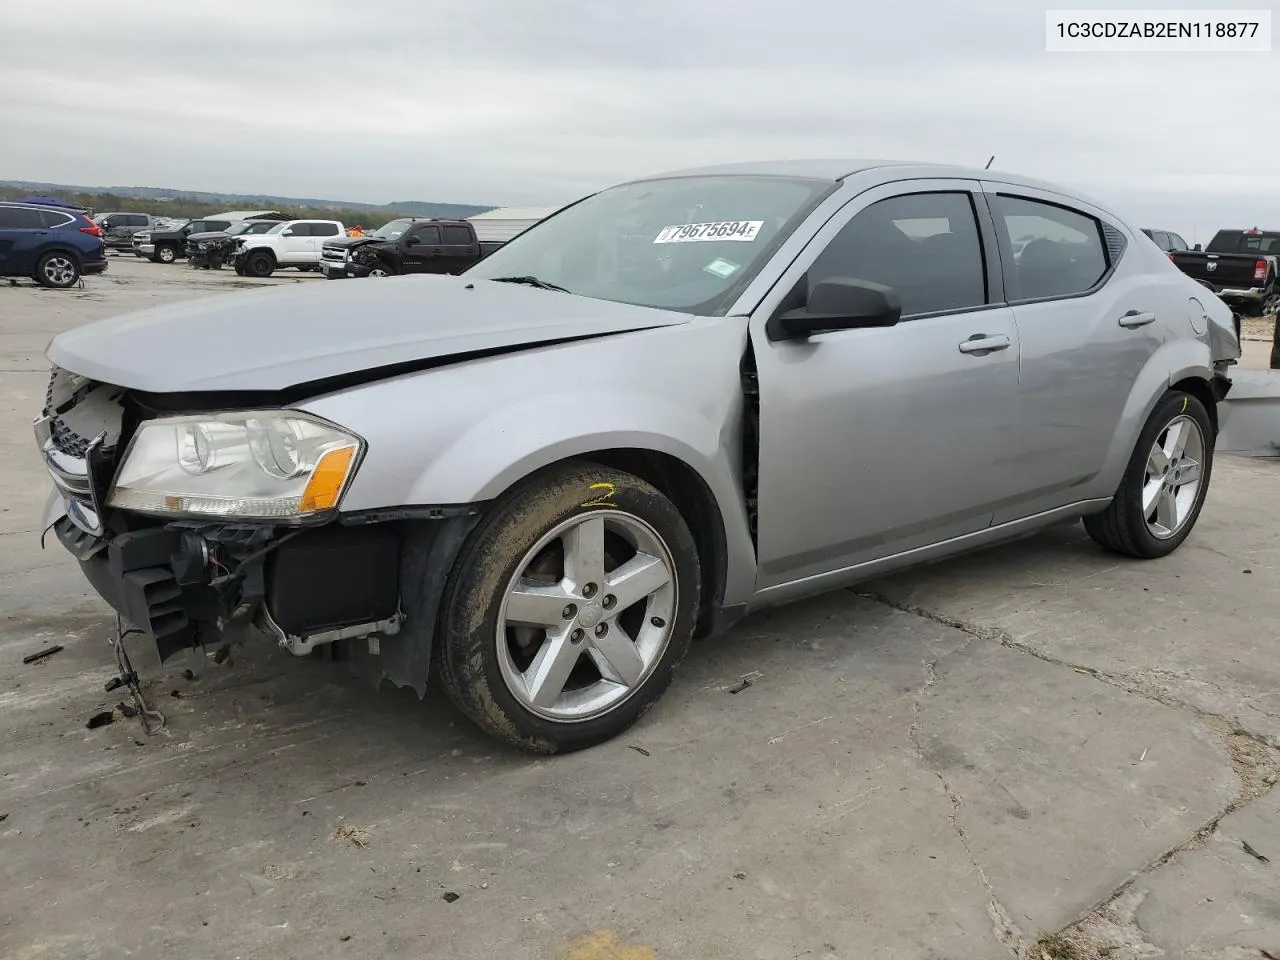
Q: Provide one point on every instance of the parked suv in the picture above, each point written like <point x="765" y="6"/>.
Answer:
<point x="118" y="228"/>
<point x="52" y="246"/>
<point x="293" y="243"/>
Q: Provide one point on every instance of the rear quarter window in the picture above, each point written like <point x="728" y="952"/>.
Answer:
<point x="52" y="218"/>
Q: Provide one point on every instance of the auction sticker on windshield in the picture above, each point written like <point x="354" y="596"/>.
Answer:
<point x="698" y="232"/>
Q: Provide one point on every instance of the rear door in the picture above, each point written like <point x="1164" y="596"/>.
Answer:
<point x="457" y="249"/>
<point x="321" y="233"/>
<point x="22" y="234"/>
<point x="421" y="246"/>
<point x="1089" y="320"/>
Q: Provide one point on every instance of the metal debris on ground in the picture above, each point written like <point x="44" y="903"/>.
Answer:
<point x="450" y="897"/>
<point x="126" y="710"/>
<point x="101" y="719"/>
<point x="740" y="685"/>
<point x="1254" y="853"/>
<point x="353" y="835"/>
<point x="640" y="750"/>
<point x="41" y="654"/>
<point x="223" y="655"/>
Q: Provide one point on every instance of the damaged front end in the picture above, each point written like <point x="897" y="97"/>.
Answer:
<point x="282" y="559"/>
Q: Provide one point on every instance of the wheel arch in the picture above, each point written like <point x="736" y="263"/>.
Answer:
<point x="60" y="247"/>
<point x="685" y="487"/>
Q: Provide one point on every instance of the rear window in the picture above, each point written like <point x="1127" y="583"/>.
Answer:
<point x="457" y="236"/>
<point x="324" y="229"/>
<point x="52" y="218"/>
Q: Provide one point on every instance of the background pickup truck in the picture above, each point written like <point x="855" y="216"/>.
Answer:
<point x="291" y="243"/>
<point x="1242" y="267"/>
<point x="167" y="245"/>
<point x="405" y="246"/>
<point x="118" y="228"/>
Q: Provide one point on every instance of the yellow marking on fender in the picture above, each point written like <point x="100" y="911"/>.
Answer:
<point x="602" y="498"/>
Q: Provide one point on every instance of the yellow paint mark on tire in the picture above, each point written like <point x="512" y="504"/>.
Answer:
<point x="602" y="496"/>
<point x="1184" y="404"/>
<point x="604" y="945"/>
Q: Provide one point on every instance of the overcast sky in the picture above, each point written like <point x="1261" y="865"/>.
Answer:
<point x="539" y="101"/>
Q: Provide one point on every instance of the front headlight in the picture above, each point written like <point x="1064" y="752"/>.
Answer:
<point x="266" y="465"/>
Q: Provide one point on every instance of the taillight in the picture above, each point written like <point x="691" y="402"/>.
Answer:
<point x="92" y="229"/>
<point x="1171" y="258"/>
<point x="1260" y="271"/>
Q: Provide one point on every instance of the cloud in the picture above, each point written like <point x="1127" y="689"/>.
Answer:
<point x="506" y="101"/>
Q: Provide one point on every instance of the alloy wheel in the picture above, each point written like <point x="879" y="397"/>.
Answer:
<point x="1175" y="467"/>
<point x="587" y="616"/>
<point x="60" y="271"/>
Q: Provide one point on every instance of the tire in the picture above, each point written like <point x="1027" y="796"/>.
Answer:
<point x="166" y="253"/>
<point x="380" y="270"/>
<point x="1125" y="526"/>
<point x="239" y="270"/>
<point x="260" y="264"/>
<point x="479" y="657"/>
<point x="57" y="270"/>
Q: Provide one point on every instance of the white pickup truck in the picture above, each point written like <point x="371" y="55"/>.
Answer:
<point x="293" y="243"/>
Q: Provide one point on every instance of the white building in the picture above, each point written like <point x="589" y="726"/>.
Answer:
<point x="503" y="224"/>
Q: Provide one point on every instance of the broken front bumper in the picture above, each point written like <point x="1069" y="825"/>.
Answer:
<point x="189" y="583"/>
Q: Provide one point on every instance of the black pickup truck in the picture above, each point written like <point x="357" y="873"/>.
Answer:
<point x="167" y="245"/>
<point x="405" y="246"/>
<point x="1241" y="266"/>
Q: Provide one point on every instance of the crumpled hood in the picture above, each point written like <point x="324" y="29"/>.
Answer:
<point x="282" y="337"/>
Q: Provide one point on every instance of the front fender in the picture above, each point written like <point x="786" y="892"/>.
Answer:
<point x="467" y="432"/>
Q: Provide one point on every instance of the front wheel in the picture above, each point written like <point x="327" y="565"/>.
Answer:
<point x="166" y="253"/>
<point x="569" y="609"/>
<point x="1163" y="490"/>
<point x="260" y="265"/>
<point x="378" y="270"/>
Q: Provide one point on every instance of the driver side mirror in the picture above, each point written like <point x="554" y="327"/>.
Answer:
<point x="838" y="303"/>
<point x="286" y="233"/>
<point x="412" y="242"/>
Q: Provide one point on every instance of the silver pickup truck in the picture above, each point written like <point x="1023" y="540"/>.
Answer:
<point x="676" y="401"/>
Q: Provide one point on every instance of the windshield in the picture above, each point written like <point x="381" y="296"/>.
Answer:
<point x="278" y="227"/>
<point x="238" y="228"/>
<point x="689" y="244"/>
<point x="392" y="231"/>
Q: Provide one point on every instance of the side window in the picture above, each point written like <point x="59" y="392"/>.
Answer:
<point x="428" y="236"/>
<point x="324" y="229"/>
<point x="1161" y="239"/>
<point x="1176" y="242"/>
<point x="457" y="236"/>
<point x="925" y="246"/>
<point x="52" y="218"/>
<point x="22" y="218"/>
<point x="1062" y="251"/>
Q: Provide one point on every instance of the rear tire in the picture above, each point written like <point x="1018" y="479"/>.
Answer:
<point x="57" y="270"/>
<point x="260" y="265"/>
<point x="552" y="552"/>
<point x="1165" y="484"/>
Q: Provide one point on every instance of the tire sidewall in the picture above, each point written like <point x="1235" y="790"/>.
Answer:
<point x="1174" y="404"/>
<point x="490" y="560"/>
<point x="167" y="254"/>
<point x="253" y="268"/>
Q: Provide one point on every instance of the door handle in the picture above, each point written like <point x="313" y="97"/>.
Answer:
<point x="982" y="343"/>
<point x="1137" y="318"/>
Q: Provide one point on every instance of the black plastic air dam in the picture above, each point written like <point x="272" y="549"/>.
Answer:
<point x="334" y="576"/>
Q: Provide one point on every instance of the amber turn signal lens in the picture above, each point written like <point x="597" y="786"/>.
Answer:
<point x="327" y="480"/>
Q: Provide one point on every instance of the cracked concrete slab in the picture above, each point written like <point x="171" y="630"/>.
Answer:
<point x="1064" y="786"/>
<point x="1197" y="627"/>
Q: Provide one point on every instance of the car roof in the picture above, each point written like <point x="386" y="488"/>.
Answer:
<point x="877" y="171"/>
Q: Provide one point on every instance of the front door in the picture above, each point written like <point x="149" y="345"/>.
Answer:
<point x="421" y="250"/>
<point x="875" y="442"/>
<point x="298" y="245"/>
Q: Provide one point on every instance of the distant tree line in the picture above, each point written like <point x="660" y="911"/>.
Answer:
<point x="186" y="207"/>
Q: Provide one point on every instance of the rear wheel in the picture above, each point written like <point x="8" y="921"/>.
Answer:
<point x="1164" y="487"/>
<point x="58" y="270"/>
<point x="569" y="609"/>
<point x="260" y="264"/>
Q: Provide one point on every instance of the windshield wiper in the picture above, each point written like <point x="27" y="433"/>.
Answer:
<point x="530" y="282"/>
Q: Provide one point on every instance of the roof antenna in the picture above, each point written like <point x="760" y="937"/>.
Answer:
<point x="988" y="166"/>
